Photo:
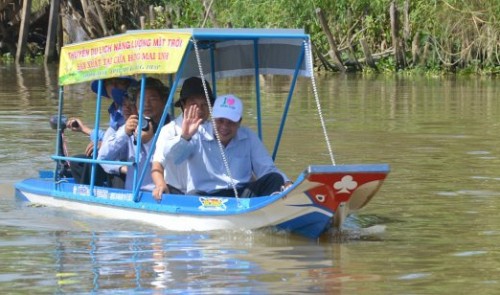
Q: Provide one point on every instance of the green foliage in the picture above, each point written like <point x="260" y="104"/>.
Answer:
<point x="36" y="5"/>
<point x="7" y="58"/>
<point x="461" y="36"/>
<point x="448" y="35"/>
<point x="181" y="13"/>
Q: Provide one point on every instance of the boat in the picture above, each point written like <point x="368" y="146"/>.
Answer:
<point x="321" y="197"/>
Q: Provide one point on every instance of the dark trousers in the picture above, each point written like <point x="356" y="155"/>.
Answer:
<point x="117" y="181"/>
<point x="81" y="173"/>
<point x="264" y="186"/>
<point x="174" y="191"/>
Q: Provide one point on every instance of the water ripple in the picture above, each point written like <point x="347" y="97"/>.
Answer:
<point x="414" y="276"/>
<point x="469" y="253"/>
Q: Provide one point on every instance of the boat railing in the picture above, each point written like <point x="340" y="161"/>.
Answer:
<point x="92" y="161"/>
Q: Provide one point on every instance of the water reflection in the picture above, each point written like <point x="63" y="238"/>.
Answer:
<point x="23" y="90"/>
<point x="193" y="263"/>
<point x="76" y="253"/>
<point x="50" y="75"/>
<point x="433" y="227"/>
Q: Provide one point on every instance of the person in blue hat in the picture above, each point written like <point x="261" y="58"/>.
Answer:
<point x="115" y="88"/>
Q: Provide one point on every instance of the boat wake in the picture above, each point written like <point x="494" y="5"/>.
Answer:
<point x="358" y="228"/>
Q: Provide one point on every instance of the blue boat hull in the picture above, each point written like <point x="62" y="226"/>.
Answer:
<point x="307" y="208"/>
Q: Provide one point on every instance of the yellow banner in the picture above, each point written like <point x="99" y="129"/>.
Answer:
<point x="122" y="55"/>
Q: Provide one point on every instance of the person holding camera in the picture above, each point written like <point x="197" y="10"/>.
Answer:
<point x="122" y="147"/>
<point x="76" y="125"/>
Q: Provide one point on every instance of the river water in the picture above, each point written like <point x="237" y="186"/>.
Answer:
<point x="433" y="228"/>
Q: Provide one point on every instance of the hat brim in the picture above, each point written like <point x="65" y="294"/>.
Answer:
<point x="95" y="84"/>
<point x="232" y="118"/>
<point x="180" y="100"/>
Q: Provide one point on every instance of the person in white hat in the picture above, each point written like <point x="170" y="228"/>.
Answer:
<point x="252" y="169"/>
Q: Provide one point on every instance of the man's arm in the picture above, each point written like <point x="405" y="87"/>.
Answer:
<point x="114" y="147"/>
<point x="110" y="136"/>
<point x="179" y="147"/>
<point x="159" y="181"/>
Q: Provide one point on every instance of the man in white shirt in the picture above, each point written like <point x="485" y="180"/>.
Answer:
<point x="251" y="169"/>
<point x="167" y="176"/>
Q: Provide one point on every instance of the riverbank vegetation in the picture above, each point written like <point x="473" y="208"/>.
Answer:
<point x="436" y="36"/>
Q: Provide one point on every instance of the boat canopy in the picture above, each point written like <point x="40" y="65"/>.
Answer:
<point x="226" y="53"/>
<point x="209" y="53"/>
<point x="223" y="53"/>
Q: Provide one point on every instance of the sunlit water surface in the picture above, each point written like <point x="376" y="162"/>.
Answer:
<point x="432" y="228"/>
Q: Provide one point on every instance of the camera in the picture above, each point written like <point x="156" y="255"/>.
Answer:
<point x="53" y="122"/>
<point x="145" y="123"/>
<point x="144" y="127"/>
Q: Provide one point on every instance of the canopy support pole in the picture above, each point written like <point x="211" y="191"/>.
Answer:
<point x="59" y="133"/>
<point x="212" y="66"/>
<point x="137" y="185"/>
<point x="257" y="86"/>
<point x="100" y="85"/>
<point x="287" y="105"/>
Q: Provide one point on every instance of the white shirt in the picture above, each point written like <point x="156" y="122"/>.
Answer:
<point x="122" y="147"/>
<point x="246" y="155"/>
<point x="174" y="175"/>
